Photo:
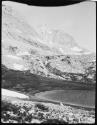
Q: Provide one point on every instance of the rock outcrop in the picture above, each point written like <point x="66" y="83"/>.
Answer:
<point x="45" y="52"/>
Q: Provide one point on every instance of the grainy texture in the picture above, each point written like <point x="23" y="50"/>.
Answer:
<point x="19" y="111"/>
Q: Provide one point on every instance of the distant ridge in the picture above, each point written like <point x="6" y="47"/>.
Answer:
<point x="47" y="52"/>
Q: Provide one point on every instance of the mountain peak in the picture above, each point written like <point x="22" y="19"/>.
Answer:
<point x="17" y="32"/>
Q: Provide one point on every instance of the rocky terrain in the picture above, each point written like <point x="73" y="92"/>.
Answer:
<point x="50" y="53"/>
<point x="33" y="110"/>
<point x="21" y="111"/>
<point x="42" y="59"/>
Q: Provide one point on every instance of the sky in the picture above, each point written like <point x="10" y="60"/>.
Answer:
<point x="78" y="20"/>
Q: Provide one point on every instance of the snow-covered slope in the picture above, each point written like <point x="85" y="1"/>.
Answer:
<point x="10" y="93"/>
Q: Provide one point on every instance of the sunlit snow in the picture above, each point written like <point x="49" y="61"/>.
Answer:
<point x="13" y="94"/>
<point x="76" y="49"/>
<point x="23" y="53"/>
<point x="11" y="56"/>
<point x="61" y="50"/>
<point x="17" y="66"/>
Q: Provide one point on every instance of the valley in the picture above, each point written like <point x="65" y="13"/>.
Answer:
<point x="39" y="61"/>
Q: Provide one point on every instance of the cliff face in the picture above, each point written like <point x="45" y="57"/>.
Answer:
<point x="49" y="53"/>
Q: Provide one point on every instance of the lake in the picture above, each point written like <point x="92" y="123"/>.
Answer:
<point x="84" y="98"/>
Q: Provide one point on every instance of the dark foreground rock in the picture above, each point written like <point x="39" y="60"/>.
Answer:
<point x="20" y="111"/>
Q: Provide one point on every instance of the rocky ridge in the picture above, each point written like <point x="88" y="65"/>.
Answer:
<point x="50" y="53"/>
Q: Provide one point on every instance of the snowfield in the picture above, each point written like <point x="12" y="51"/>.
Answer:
<point x="12" y="94"/>
<point x="18" y="66"/>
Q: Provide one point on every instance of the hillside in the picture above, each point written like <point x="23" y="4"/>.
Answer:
<point x="46" y="52"/>
<point x="36" y="60"/>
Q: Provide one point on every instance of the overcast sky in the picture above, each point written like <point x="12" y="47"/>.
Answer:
<point x="78" y="20"/>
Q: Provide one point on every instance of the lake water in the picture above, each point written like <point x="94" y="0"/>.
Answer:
<point x="85" y="98"/>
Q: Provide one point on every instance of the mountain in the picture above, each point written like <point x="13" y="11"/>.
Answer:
<point x="57" y="38"/>
<point x="14" y="28"/>
<point x="43" y="51"/>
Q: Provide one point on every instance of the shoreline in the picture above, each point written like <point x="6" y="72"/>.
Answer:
<point x="15" y="94"/>
<point x="41" y="95"/>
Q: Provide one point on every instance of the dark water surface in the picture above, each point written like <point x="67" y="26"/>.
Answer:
<point x="85" y="98"/>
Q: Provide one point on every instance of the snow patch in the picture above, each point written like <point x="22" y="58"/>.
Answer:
<point x="23" y="53"/>
<point x="19" y="67"/>
<point x="11" y="56"/>
<point x="76" y="49"/>
<point x="87" y="53"/>
<point x="13" y="94"/>
<point x="61" y="50"/>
